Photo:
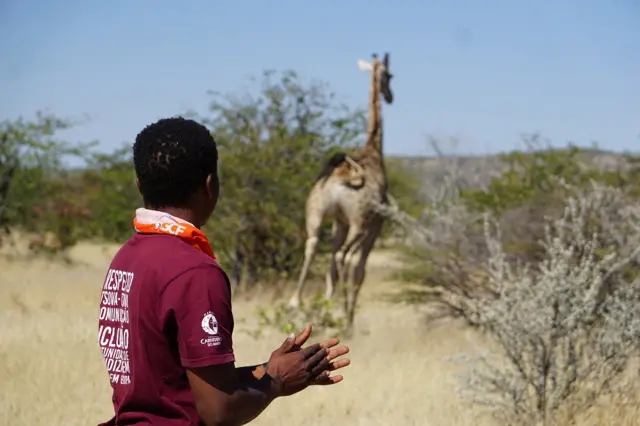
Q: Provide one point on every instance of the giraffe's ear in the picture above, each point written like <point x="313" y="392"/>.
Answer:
<point x="364" y="65"/>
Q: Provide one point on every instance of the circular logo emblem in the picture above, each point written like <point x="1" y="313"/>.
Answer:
<point x="210" y="323"/>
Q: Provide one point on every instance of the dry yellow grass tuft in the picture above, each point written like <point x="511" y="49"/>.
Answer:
<point x="52" y="373"/>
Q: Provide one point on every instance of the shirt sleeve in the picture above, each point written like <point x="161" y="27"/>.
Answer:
<point x="199" y="300"/>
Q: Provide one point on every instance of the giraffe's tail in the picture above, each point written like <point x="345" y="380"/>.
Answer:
<point x="331" y="164"/>
<point x="347" y="168"/>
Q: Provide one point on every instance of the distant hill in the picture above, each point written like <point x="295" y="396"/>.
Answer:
<point x="478" y="170"/>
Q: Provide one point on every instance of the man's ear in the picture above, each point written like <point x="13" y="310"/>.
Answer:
<point x="213" y="186"/>
<point x="138" y="185"/>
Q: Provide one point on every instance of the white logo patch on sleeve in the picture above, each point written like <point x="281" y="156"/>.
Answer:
<point x="210" y="326"/>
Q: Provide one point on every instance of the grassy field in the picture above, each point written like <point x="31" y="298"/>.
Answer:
<point x="52" y="373"/>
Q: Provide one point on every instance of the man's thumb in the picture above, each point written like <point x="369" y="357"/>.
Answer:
<point x="288" y="343"/>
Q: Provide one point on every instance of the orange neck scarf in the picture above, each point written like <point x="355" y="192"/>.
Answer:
<point x="155" y="222"/>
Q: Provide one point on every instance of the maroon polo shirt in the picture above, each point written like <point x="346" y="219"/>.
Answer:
<point x="165" y="307"/>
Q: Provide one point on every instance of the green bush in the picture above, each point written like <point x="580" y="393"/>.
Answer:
<point x="271" y="149"/>
<point x="35" y="191"/>
<point x="110" y="193"/>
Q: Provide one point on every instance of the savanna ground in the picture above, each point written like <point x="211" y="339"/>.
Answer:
<point x="52" y="372"/>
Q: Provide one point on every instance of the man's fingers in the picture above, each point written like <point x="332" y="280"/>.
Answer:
<point x="327" y="344"/>
<point x="320" y="355"/>
<point x="319" y="369"/>
<point x="302" y="338"/>
<point x="325" y="379"/>
<point x="317" y="363"/>
<point x="335" y="353"/>
<point x="312" y="350"/>
<point x="336" y="365"/>
<point x="334" y="379"/>
<point x="321" y="378"/>
<point x="287" y="345"/>
<point x="325" y="366"/>
<point x="319" y="358"/>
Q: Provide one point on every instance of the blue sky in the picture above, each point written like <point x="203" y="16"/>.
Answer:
<point x="483" y="71"/>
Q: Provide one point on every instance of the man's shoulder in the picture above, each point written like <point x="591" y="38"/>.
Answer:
<point x="201" y="280"/>
<point x="164" y="257"/>
<point x="164" y="247"/>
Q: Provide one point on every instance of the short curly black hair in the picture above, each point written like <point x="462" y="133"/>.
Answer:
<point x="172" y="159"/>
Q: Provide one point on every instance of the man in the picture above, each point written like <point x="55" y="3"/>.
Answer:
<point x="166" y="324"/>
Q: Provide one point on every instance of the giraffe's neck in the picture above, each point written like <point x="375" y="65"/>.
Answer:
<point x="374" y="130"/>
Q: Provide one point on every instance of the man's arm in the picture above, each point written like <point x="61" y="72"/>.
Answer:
<point x="226" y="395"/>
<point x="200" y="302"/>
<point x="251" y="373"/>
<point x="230" y="396"/>
<point x="224" y="398"/>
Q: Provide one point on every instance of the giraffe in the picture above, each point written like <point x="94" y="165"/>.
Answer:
<point x="348" y="188"/>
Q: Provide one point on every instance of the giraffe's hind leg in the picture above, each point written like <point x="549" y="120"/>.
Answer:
<point x="355" y="233"/>
<point x="359" y="270"/>
<point x="354" y="237"/>
<point x="339" y="235"/>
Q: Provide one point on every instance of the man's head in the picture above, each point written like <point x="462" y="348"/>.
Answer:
<point x="176" y="163"/>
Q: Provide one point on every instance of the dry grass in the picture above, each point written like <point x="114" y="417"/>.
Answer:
<point x="51" y="371"/>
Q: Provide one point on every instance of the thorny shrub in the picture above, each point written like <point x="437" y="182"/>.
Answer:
<point x="567" y="324"/>
<point x="443" y="246"/>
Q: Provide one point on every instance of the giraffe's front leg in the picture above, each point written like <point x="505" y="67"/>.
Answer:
<point x="309" y="253"/>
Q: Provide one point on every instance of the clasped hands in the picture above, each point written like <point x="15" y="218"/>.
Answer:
<point x="293" y="368"/>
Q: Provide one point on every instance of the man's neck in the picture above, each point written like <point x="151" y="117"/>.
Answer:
<point x="180" y="213"/>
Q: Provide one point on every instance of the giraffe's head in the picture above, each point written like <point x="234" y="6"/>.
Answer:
<point x="381" y="74"/>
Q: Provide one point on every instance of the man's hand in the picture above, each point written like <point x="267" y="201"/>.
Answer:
<point x="293" y="370"/>
<point x="334" y="352"/>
